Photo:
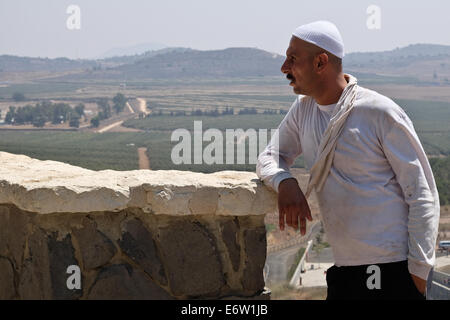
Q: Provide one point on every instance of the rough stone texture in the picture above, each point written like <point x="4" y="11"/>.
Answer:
<point x="134" y="235"/>
<point x="7" y="288"/>
<point x="61" y="256"/>
<point x="255" y="252"/>
<point x="120" y="282"/>
<point x="165" y="256"/>
<point x="13" y="233"/>
<point x="137" y="242"/>
<point x="193" y="264"/>
<point x="50" y="186"/>
<point x="230" y="236"/>
<point x="97" y="249"/>
<point x="35" y="283"/>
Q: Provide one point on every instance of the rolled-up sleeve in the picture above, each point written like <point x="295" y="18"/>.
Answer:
<point x="284" y="147"/>
<point x="409" y="162"/>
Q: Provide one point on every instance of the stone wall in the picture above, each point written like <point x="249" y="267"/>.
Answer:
<point x="129" y="235"/>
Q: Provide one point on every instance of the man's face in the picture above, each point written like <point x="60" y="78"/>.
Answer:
<point x="298" y="67"/>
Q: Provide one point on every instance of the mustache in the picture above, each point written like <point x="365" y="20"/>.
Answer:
<point x="289" y="76"/>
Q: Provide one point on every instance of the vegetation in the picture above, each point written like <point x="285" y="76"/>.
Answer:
<point x="165" y="122"/>
<point x="18" y="96"/>
<point x="88" y="150"/>
<point x="43" y="112"/>
<point x="119" y="102"/>
<point x="104" y="109"/>
<point x="441" y="171"/>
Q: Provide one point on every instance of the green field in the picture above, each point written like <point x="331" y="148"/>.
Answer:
<point x="88" y="150"/>
<point x="118" y="151"/>
<point x="108" y="150"/>
<point x="170" y="123"/>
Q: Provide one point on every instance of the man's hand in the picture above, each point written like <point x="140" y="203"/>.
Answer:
<point x="292" y="204"/>
<point x="420" y="283"/>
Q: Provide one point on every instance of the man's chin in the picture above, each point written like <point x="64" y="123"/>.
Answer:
<point x="297" y="91"/>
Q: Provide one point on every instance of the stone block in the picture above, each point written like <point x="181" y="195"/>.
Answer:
<point x="230" y="236"/>
<point x="138" y="244"/>
<point x="191" y="258"/>
<point x="96" y="249"/>
<point x="7" y="289"/>
<point x="255" y="253"/>
<point x="35" y="283"/>
<point x="13" y="235"/>
<point x="61" y="256"/>
<point x="121" y="282"/>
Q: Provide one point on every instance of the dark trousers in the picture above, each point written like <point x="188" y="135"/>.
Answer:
<point x="384" y="281"/>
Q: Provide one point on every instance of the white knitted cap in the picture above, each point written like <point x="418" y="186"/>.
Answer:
<point x="323" y="34"/>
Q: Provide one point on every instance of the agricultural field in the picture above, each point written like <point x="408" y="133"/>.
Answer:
<point x="119" y="150"/>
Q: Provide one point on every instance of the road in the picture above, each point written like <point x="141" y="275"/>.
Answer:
<point x="132" y="109"/>
<point x="144" y="162"/>
<point x="278" y="264"/>
<point x="280" y="261"/>
<point x="107" y="128"/>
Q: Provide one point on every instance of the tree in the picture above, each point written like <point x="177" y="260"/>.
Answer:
<point x="18" y="96"/>
<point x="9" y="118"/>
<point x="39" y="122"/>
<point x="61" y="113"/>
<point x="119" y="102"/>
<point x="79" y="109"/>
<point x="74" y="122"/>
<point x="105" y="109"/>
<point x="74" y="119"/>
<point x="95" y="122"/>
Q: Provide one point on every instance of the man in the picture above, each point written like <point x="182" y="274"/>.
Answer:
<point x="376" y="192"/>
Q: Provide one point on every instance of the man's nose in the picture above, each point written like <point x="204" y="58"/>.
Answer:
<point x="284" y="67"/>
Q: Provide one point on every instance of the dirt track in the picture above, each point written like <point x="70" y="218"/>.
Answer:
<point x="144" y="162"/>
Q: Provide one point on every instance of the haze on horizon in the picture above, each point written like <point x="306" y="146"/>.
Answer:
<point x="38" y="28"/>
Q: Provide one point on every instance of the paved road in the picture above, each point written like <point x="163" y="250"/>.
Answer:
<point x="280" y="261"/>
<point x="278" y="264"/>
<point x="315" y="267"/>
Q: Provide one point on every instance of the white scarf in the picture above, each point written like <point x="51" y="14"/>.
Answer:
<point x="325" y="154"/>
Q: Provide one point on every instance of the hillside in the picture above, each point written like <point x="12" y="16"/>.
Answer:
<point x="419" y="64"/>
<point x="424" y="63"/>
<point x="10" y="63"/>
<point x="188" y="63"/>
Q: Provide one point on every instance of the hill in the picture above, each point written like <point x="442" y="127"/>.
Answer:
<point x="418" y="63"/>
<point x="188" y="63"/>
<point x="10" y="63"/>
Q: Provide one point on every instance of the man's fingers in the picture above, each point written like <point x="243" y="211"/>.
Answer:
<point x="295" y="216"/>
<point x="302" y="226"/>
<point x="308" y="214"/>
<point x="289" y="217"/>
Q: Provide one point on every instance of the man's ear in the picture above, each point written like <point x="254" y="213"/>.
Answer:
<point x="321" y="61"/>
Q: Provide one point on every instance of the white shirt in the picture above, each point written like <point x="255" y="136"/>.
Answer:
<point x="379" y="203"/>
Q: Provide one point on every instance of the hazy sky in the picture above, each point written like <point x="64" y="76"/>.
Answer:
<point x="38" y="27"/>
